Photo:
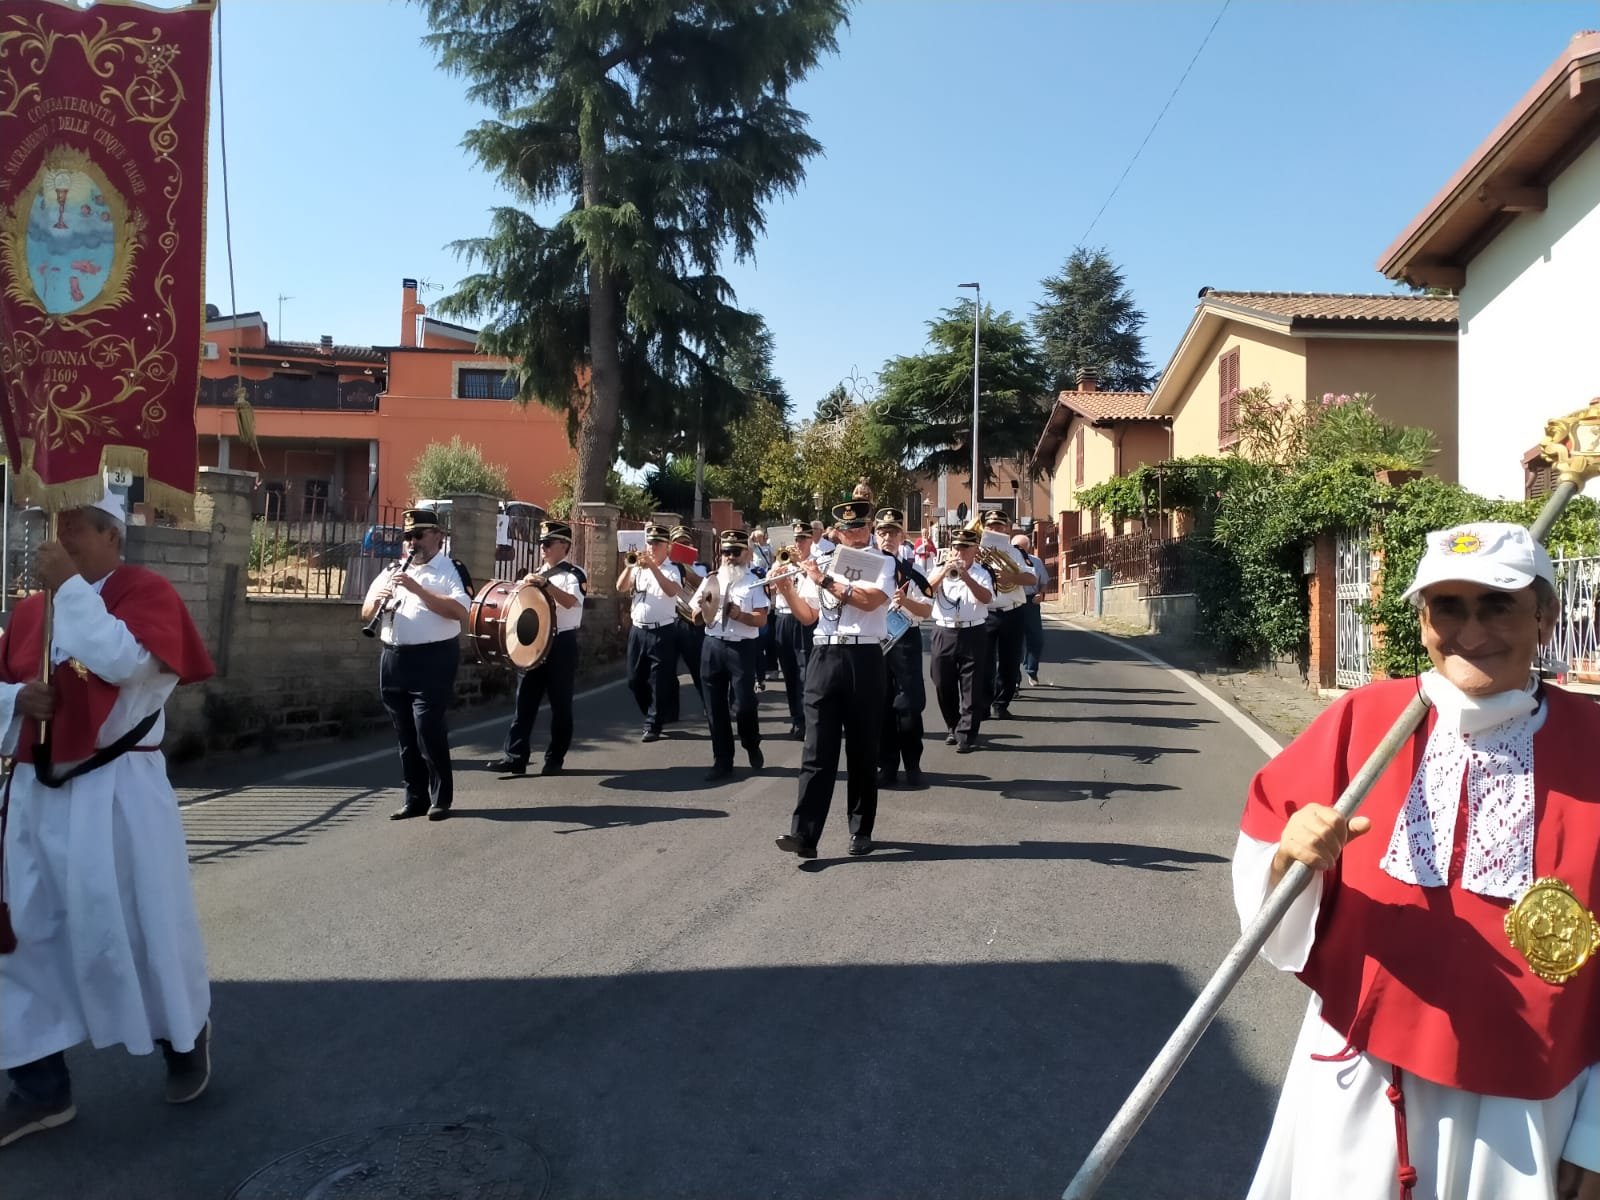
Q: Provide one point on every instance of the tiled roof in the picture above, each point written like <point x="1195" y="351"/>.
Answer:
<point x="1106" y="406"/>
<point x="315" y="350"/>
<point x="1332" y="306"/>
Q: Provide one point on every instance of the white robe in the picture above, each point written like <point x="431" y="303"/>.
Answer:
<point x="1333" y="1136"/>
<point x="97" y="872"/>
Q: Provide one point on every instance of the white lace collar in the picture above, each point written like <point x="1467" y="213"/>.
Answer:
<point x="1486" y="745"/>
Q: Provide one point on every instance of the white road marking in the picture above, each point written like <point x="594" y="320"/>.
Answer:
<point x="388" y="751"/>
<point x="1263" y="740"/>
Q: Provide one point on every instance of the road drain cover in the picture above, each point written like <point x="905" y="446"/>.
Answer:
<point x="405" y="1162"/>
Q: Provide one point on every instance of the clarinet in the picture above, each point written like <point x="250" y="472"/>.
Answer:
<point x="370" y="629"/>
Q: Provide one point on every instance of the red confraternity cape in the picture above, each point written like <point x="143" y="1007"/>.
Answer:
<point x="153" y="612"/>
<point x="1425" y="978"/>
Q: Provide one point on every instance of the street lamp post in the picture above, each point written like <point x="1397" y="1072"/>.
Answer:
<point x="977" y="325"/>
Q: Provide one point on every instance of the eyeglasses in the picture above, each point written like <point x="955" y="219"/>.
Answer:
<point x="730" y="551"/>
<point x="1497" y="610"/>
<point x="411" y="535"/>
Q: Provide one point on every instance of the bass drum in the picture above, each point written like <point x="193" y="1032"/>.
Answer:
<point x="512" y="624"/>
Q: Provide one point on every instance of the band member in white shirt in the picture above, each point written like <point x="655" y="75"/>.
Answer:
<point x="1032" y="610"/>
<point x="421" y="634"/>
<point x="792" y="637"/>
<point x="904" y="695"/>
<point x="737" y="606"/>
<point x="654" y="583"/>
<point x="557" y="676"/>
<point x="691" y="634"/>
<point x="844" y="684"/>
<point x="961" y="591"/>
<point x="1006" y="624"/>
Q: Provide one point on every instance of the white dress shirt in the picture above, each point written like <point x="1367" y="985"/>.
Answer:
<point x="837" y="619"/>
<point x="571" y="580"/>
<point x="745" y="591"/>
<point x="650" y="605"/>
<point x="413" y="623"/>
<point x="955" y="606"/>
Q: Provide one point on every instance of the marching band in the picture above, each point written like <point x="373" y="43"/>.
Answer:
<point x="845" y="613"/>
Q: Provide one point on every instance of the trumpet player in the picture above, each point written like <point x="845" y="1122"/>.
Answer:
<point x="844" y="685"/>
<point x="737" y="605"/>
<point x="1006" y="623"/>
<point x="962" y="590"/>
<point x="791" y="636"/>
<point x="557" y="676"/>
<point x="904" y="696"/>
<point x="691" y="633"/>
<point x="421" y="652"/>
<point x="654" y="582"/>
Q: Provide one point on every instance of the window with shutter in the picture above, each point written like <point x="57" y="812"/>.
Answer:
<point x="1538" y="479"/>
<point x="1228" y="398"/>
<point x="1077" y="459"/>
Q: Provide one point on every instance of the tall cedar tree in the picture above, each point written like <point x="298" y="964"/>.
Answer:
<point x="663" y="127"/>
<point x="923" y="416"/>
<point x="1088" y="320"/>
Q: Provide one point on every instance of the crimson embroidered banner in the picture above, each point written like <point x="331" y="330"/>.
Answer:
<point x="102" y="232"/>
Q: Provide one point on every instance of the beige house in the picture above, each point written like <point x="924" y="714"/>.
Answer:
<point x="1091" y="437"/>
<point x="1400" y="349"/>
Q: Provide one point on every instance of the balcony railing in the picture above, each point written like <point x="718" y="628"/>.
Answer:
<point x="314" y="393"/>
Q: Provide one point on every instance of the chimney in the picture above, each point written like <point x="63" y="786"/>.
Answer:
<point x="410" y="310"/>
<point x="327" y="343"/>
<point x="1088" y="379"/>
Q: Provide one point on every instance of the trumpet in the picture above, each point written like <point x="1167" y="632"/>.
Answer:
<point x="631" y="558"/>
<point x="370" y="629"/>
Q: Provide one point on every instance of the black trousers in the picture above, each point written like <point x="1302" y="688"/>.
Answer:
<point x="768" y="641"/>
<point x="416" y="683"/>
<point x="904" y="697"/>
<point x="728" y="673"/>
<point x="793" y="642"/>
<point x="1008" y="635"/>
<point x="554" y="678"/>
<point x="844" y="698"/>
<point x="959" y="669"/>
<point x="691" y="639"/>
<point x="44" y="1081"/>
<point x="653" y="672"/>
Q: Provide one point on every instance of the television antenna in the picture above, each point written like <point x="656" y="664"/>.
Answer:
<point x="281" y="299"/>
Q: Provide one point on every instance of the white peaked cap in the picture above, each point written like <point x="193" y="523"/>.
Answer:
<point x="1494" y="554"/>
<point x="111" y="504"/>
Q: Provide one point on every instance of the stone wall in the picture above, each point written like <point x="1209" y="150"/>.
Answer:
<point x="291" y="669"/>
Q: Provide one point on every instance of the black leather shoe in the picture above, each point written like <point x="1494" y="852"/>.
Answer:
<point x="914" y="778"/>
<point x="718" y="772"/>
<point x="886" y="778"/>
<point x="651" y="735"/>
<point x="861" y="845"/>
<point x="966" y="747"/>
<point x="950" y="738"/>
<point x="406" y="813"/>
<point x="1002" y="712"/>
<point x="790" y="844"/>
<point x="551" y="768"/>
<point x="507" y="766"/>
<point x="437" y="813"/>
<point x="757" y="759"/>
<point x="797" y="733"/>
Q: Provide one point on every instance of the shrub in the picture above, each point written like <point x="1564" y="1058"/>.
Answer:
<point x="441" y="470"/>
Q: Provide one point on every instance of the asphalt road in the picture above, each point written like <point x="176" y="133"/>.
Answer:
<point x="619" y="967"/>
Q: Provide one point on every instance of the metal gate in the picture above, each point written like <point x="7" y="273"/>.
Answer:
<point x="1353" y="589"/>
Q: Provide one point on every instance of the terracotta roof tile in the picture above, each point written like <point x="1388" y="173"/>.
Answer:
<point x="1102" y="406"/>
<point x="1332" y="306"/>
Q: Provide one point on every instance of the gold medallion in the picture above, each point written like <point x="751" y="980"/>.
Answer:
<point x="1552" y="929"/>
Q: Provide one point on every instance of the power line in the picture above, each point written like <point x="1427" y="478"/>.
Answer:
<point x="1120" y="179"/>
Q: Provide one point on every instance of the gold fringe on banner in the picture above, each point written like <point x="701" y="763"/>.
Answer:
<point x="29" y="488"/>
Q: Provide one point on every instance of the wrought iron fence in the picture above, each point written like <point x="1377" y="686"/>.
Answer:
<point x="1576" y="643"/>
<point x="1163" y="566"/>
<point x="326" y="557"/>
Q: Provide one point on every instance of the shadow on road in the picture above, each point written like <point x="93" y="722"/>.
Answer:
<point x="589" y="816"/>
<point x="1072" y="687"/>
<point x="1109" y="854"/>
<point x="875" y="1082"/>
<point x="1066" y="790"/>
<point x="259" y="818"/>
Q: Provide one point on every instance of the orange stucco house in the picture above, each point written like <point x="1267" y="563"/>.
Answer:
<point x="338" y="428"/>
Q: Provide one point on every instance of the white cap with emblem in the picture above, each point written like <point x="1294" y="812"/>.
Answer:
<point x="1494" y="554"/>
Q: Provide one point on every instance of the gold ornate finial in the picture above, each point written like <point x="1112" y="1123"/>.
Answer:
<point x="1572" y="444"/>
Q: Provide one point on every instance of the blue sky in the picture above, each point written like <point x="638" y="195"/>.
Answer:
<point x="962" y="141"/>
